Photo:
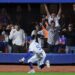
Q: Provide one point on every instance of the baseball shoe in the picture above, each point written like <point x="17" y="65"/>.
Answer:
<point x="38" y="67"/>
<point x="32" y="71"/>
<point x="22" y="60"/>
<point x="47" y="63"/>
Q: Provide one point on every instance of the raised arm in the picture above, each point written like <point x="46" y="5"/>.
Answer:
<point x="46" y="9"/>
<point x="59" y="12"/>
<point x="11" y="34"/>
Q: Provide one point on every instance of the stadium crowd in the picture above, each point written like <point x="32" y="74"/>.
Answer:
<point x="54" y="30"/>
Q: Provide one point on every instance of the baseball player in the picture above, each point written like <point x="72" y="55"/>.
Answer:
<point x="39" y="55"/>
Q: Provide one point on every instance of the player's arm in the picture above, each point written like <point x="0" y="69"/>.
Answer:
<point x="40" y="34"/>
<point x="46" y="9"/>
<point x="59" y="12"/>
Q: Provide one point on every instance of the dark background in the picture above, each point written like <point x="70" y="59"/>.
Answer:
<point x="28" y="17"/>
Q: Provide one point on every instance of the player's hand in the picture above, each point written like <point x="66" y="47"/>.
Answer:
<point x="22" y="60"/>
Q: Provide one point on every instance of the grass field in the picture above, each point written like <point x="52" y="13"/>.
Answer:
<point x="37" y="73"/>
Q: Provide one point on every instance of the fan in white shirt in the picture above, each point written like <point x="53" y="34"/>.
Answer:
<point x="17" y="36"/>
<point x="53" y="17"/>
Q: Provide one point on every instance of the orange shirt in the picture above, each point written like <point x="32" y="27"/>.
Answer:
<point x="45" y="31"/>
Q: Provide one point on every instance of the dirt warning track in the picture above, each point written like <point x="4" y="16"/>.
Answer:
<point x="24" y="68"/>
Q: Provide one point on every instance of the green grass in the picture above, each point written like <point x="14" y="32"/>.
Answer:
<point x="37" y="73"/>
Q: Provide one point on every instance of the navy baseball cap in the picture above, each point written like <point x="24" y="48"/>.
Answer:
<point x="29" y="38"/>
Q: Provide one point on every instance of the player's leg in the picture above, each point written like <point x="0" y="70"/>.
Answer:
<point x="42" y="63"/>
<point x="30" y="62"/>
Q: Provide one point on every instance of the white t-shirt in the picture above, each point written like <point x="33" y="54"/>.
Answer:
<point x="53" y="35"/>
<point x="18" y="37"/>
<point x="56" y="20"/>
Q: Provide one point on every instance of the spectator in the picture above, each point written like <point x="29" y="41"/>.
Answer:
<point x="63" y="21"/>
<point x="2" y="45"/>
<point x="18" y="39"/>
<point x="53" y="35"/>
<point x="53" y="16"/>
<point x="45" y="32"/>
<point x="5" y="41"/>
<point x="70" y="39"/>
<point x="6" y="35"/>
<point x="62" y="44"/>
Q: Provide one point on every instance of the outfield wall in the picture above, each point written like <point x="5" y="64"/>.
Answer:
<point x="54" y="58"/>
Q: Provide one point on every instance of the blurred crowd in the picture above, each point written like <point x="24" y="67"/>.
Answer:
<point x="54" y="31"/>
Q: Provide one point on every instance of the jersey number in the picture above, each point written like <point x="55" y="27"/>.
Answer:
<point x="37" y="46"/>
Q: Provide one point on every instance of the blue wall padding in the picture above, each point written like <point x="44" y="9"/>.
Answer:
<point x="54" y="58"/>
